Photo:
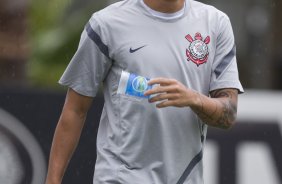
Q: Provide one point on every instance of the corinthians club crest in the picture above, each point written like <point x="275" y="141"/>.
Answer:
<point x="198" y="51"/>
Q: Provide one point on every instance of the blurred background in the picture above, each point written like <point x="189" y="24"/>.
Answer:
<point x="38" y="39"/>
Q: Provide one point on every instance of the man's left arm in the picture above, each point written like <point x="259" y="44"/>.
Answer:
<point x="218" y="110"/>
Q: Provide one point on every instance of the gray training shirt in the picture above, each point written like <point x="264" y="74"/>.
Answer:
<point x="138" y="143"/>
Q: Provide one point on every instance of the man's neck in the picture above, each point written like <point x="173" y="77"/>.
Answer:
<point x="165" y="6"/>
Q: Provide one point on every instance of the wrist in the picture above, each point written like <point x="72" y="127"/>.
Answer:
<point x="196" y="101"/>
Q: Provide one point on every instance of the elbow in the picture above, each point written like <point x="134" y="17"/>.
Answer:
<point x="228" y="125"/>
<point x="229" y="116"/>
<point x="230" y="121"/>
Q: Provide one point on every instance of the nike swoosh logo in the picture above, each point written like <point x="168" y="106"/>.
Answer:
<point x="134" y="50"/>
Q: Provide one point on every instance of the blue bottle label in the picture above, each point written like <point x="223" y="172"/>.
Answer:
<point x="133" y="85"/>
<point x="137" y="85"/>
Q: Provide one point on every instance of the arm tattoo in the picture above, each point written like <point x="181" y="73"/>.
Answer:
<point x="222" y="93"/>
<point x="224" y="110"/>
<point x="226" y="117"/>
<point x="229" y="107"/>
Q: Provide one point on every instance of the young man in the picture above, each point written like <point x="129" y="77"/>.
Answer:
<point x="187" y="50"/>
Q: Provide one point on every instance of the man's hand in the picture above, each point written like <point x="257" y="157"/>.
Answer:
<point x="218" y="110"/>
<point x="170" y="92"/>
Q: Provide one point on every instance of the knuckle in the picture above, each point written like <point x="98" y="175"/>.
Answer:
<point x="177" y="88"/>
<point x="174" y="81"/>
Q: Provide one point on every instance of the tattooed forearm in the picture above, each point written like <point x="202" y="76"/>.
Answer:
<point x="228" y="115"/>
<point x="220" y="110"/>
<point x="229" y="106"/>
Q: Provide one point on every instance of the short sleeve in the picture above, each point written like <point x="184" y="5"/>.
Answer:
<point x="224" y="69"/>
<point x="91" y="62"/>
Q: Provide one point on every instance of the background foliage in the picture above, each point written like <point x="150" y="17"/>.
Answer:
<point x="55" y="28"/>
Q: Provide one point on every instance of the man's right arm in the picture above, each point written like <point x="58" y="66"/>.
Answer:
<point x="67" y="135"/>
